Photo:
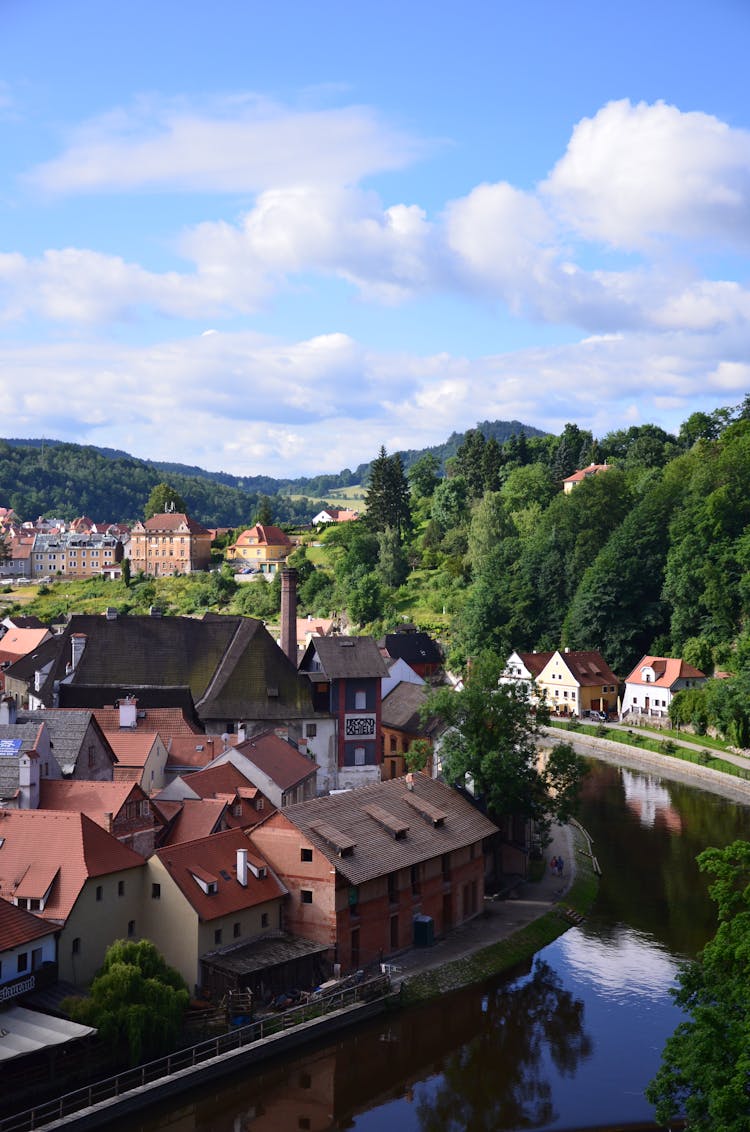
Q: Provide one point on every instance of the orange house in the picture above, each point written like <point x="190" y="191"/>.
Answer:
<point x="261" y="548"/>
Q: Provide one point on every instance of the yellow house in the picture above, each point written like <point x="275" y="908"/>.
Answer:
<point x="261" y="548"/>
<point x="575" y="682"/>
<point x="208" y="895"/>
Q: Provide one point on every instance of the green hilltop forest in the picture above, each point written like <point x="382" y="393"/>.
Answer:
<point x="50" y="477"/>
<point x="485" y="550"/>
<point x="652" y="555"/>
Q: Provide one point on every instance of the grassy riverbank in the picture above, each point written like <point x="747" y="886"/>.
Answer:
<point x="507" y="953"/>
<point x="666" y="746"/>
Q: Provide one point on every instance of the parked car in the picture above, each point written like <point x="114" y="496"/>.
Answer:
<point x="598" y="716"/>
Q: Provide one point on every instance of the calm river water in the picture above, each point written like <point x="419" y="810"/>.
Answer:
<point x="568" y="1043"/>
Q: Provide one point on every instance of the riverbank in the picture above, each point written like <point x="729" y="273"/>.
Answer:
<point x="665" y="765"/>
<point x="510" y="931"/>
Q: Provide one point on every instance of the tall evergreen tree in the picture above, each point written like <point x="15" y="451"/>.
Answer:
<point x="387" y="498"/>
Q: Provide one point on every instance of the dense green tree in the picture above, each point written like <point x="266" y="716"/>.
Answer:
<point x="489" y="525"/>
<point x="449" y="503"/>
<point x="316" y="593"/>
<point x="264" y="512"/>
<point x="125" y="567"/>
<point x="365" y="599"/>
<point x="392" y="568"/>
<point x="491" y="742"/>
<point x="728" y="706"/>
<point x="470" y="463"/>
<point x="567" y="451"/>
<point x="706" y="1062"/>
<point x="137" y="1001"/>
<point x="524" y="486"/>
<point x="618" y="607"/>
<point x="492" y="465"/>
<point x="424" y="476"/>
<point x="690" y="709"/>
<point x="163" y="498"/>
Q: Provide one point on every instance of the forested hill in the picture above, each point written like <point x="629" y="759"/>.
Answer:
<point x="67" y="480"/>
<point x="43" y="476"/>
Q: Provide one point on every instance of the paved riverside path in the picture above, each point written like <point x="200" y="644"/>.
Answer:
<point x="500" y="918"/>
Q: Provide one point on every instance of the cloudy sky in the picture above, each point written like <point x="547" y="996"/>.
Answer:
<point x="268" y="238"/>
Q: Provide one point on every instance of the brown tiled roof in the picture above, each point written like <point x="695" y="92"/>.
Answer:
<point x="343" y="657"/>
<point x="376" y="851"/>
<point x="172" y="521"/>
<point x="193" y="751"/>
<point x="402" y="709"/>
<point x="17" y="926"/>
<point x="224" y="779"/>
<point x="215" y="857"/>
<point x="195" y="819"/>
<point x="283" y="764"/>
<point x="50" y="842"/>
<point x="667" y="670"/>
<point x="589" y="668"/>
<point x="95" y="799"/>
<point x="535" y="661"/>
<point x="167" y="721"/>
<point x="132" y="748"/>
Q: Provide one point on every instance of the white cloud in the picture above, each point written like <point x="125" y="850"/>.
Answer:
<point x="247" y="404"/>
<point x="238" y="144"/>
<point x="634" y="173"/>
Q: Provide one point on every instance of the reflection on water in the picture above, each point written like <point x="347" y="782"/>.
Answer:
<point x="497" y="1080"/>
<point x="625" y="963"/>
<point x="568" y="1042"/>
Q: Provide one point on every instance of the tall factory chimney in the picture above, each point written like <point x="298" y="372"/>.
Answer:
<point x="289" y="613"/>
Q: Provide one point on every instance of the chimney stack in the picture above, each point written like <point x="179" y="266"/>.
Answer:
<point x="128" y="712"/>
<point x="77" y="645"/>
<point x="289" y="614"/>
<point x="242" y="867"/>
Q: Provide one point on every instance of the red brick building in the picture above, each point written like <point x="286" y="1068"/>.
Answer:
<point x="372" y="871"/>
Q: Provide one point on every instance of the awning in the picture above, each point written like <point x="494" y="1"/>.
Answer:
<point x="25" y="1031"/>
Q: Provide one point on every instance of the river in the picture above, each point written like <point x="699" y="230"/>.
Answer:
<point x="569" y="1043"/>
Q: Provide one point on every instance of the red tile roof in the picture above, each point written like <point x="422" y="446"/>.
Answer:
<point x="172" y="521"/>
<point x="20" y="642"/>
<point x="535" y="661"/>
<point x="40" y="844"/>
<point x="17" y="926"/>
<point x="168" y="721"/>
<point x="193" y="750"/>
<point x="209" y="858"/>
<point x="132" y="748"/>
<point x="667" y="671"/>
<point x="278" y="759"/>
<point x="589" y="668"/>
<point x="582" y="473"/>
<point x="195" y="819"/>
<point x="97" y="800"/>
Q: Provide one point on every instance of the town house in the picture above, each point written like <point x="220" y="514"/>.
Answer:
<point x="372" y="871"/>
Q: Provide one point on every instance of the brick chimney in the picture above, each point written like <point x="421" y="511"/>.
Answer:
<point x="289" y="613"/>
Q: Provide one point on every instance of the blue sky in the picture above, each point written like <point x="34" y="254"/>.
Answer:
<point x="270" y="238"/>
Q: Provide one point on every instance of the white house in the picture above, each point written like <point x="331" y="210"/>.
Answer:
<point x="653" y="683"/>
<point x="522" y="668"/>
